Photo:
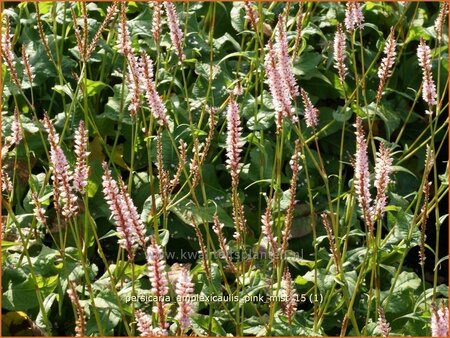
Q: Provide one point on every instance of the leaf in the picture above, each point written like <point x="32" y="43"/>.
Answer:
<point x="406" y="280"/>
<point x="93" y="87"/>
<point x="237" y="17"/>
<point x="113" y="107"/>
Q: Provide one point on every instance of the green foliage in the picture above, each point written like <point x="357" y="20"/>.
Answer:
<point x="180" y="179"/>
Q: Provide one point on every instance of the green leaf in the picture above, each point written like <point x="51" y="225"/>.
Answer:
<point x="93" y="87"/>
<point x="406" y="280"/>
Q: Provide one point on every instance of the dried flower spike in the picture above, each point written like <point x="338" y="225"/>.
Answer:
<point x="295" y="166"/>
<point x="80" y="323"/>
<point x="339" y="53"/>
<point x="28" y="70"/>
<point x="184" y="289"/>
<point x="333" y="248"/>
<point x="428" y="86"/>
<point x="385" y="70"/>
<point x="38" y="211"/>
<point x="440" y="20"/>
<point x="217" y="228"/>
<point x="267" y="231"/>
<point x="423" y="223"/>
<point x="110" y="13"/>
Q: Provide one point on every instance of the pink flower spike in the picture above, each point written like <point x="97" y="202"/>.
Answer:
<point x="362" y="176"/>
<point x="339" y="53"/>
<point x="353" y="16"/>
<point x="156" y="270"/>
<point x="119" y="210"/>
<point x="80" y="177"/>
<point x="284" y="60"/>
<point x="234" y="142"/>
<point x="62" y="175"/>
<point x="154" y="100"/>
<point x="176" y="35"/>
<point x="278" y="89"/>
<point x="144" y="325"/>
<point x="311" y="112"/>
<point x="383" y="168"/>
<point x="184" y="289"/>
<point x="439" y="321"/>
<point x="156" y="20"/>
<point x="428" y="87"/>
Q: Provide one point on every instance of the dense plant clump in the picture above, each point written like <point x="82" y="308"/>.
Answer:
<point x="213" y="169"/>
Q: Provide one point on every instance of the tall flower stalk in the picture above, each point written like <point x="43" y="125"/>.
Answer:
<point x="362" y="175"/>
<point x="339" y="53"/>
<point x="385" y="70"/>
<point x="81" y="173"/>
<point x="184" y="289"/>
<point x="234" y="142"/>
<point x="176" y="35"/>
<point x="62" y="174"/>
<point x="156" y="270"/>
<point x="428" y="86"/>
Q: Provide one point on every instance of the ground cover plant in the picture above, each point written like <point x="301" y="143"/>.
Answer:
<point x="224" y="168"/>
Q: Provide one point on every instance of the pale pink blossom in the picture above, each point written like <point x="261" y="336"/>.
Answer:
<point x="383" y="324"/>
<point x="284" y="60"/>
<point x="139" y="228"/>
<point x="353" y="16"/>
<point x="156" y="20"/>
<point x="128" y="238"/>
<point x="144" y="325"/>
<point x="234" y="142"/>
<point x="184" y="289"/>
<point x="339" y="53"/>
<point x="385" y="70"/>
<point x="289" y="306"/>
<point x="176" y="35"/>
<point x="8" y="54"/>
<point x="62" y="174"/>
<point x="154" y="100"/>
<point x="428" y="86"/>
<point x="278" y="89"/>
<point x="311" y="112"/>
<point x="81" y="173"/>
<point x="16" y="131"/>
<point x="156" y="271"/>
<point x="439" y="321"/>
<point x="362" y="175"/>
<point x="383" y="168"/>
